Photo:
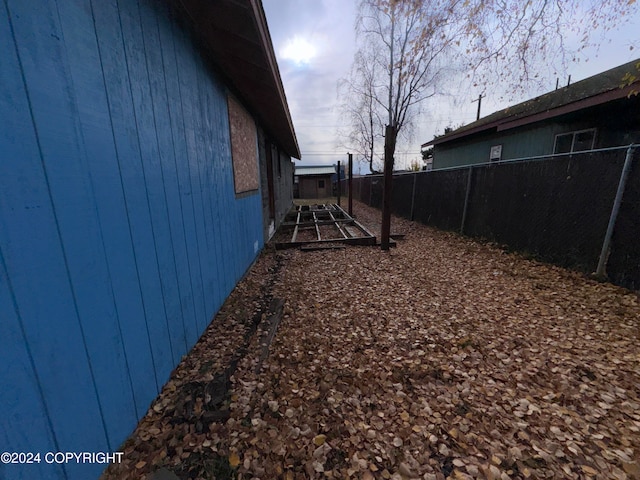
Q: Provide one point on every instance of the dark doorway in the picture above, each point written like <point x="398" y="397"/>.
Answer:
<point x="271" y="149"/>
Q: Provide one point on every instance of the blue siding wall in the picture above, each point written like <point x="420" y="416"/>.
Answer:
<point x="120" y="232"/>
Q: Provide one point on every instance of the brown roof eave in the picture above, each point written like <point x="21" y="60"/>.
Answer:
<point x="466" y="133"/>
<point x="604" y="97"/>
<point x="508" y="123"/>
<point x="294" y="149"/>
<point x="233" y="35"/>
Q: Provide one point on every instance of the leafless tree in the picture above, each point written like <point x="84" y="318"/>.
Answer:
<point x="494" y="41"/>
<point x="361" y="110"/>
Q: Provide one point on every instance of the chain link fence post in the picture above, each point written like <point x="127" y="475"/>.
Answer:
<point x="413" y="195"/>
<point x="466" y="201"/>
<point x="606" y="244"/>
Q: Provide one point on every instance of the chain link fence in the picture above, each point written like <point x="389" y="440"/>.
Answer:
<point x="556" y="208"/>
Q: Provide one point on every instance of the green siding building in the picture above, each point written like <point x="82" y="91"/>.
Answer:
<point x="598" y="112"/>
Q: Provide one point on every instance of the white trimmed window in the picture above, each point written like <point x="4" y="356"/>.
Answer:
<point x="577" y="141"/>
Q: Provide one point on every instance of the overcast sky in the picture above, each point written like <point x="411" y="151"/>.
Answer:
<point x="314" y="42"/>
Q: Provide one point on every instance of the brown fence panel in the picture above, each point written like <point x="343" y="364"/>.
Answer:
<point x="556" y="209"/>
<point x="377" y="184"/>
<point x="402" y="195"/>
<point x="364" y="192"/>
<point x="440" y="198"/>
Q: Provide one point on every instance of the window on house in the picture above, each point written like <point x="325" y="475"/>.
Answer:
<point x="320" y="183"/>
<point x="583" y="140"/>
<point x="577" y="141"/>
<point x="563" y="143"/>
<point x="244" y="148"/>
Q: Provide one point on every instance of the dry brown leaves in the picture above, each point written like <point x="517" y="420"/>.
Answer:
<point x="444" y="358"/>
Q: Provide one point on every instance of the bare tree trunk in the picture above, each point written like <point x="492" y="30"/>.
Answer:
<point x="391" y="63"/>
<point x="389" y="149"/>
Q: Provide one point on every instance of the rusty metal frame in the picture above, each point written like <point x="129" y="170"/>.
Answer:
<point x="314" y="216"/>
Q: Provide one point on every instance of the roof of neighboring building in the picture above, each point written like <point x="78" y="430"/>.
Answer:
<point x="235" y="37"/>
<point x="315" y="170"/>
<point x="619" y="82"/>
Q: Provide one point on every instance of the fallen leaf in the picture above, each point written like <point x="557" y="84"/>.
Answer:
<point x="588" y="470"/>
<point x="234" y="460"/>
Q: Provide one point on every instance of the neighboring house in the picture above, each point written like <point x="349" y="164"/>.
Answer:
<point x="314" y="181"/>
<point x="145" y="156"/>
<point x="600" y="111"/>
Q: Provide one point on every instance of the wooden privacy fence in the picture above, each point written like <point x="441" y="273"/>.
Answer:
<point x="578" y="210"/>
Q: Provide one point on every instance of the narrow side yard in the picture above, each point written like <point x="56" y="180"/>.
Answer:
<point x="443" y="358"/>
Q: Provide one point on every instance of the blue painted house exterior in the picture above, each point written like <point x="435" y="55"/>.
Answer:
<point x="597" y="112"/>
<point x="122" y="226"/>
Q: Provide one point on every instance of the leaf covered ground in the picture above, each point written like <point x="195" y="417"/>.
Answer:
<point x="443" y="358"/>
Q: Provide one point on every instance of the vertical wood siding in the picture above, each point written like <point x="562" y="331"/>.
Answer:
<point x="120" y="232"/>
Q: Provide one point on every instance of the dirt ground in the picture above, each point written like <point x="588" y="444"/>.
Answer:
<point x="443" y="358"/>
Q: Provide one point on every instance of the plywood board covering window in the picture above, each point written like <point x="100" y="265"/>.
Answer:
<point x="244" y="150"/>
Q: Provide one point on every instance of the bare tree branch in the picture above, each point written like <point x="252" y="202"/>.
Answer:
<point x="407" y="48"/>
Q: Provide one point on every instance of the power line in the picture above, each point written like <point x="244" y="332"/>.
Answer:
<point x="344" y="154"/>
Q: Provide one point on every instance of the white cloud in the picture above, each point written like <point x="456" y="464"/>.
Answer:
<point x="299" y="50"/>
<point x="315" y="43"/>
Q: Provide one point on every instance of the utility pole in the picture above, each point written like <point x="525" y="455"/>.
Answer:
<point x="479" y="100"/>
